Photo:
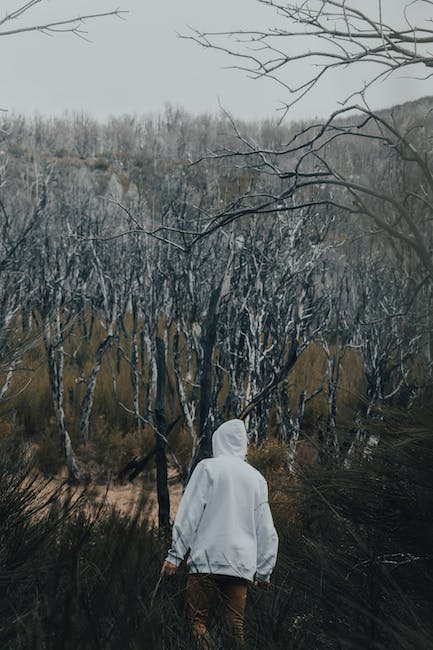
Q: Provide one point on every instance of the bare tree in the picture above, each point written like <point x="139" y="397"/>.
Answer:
<point x="391" y="198"/>
<point x="330" y="35"/>
<point x="110" y="307"/>
<point x="10" y="23"/>
<point x="336" y="34"/>
<point x="161" y="437"/>
<point x="55" y="278"/>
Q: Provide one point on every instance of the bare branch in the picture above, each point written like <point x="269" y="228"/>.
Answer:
<point x="72" y="25"/>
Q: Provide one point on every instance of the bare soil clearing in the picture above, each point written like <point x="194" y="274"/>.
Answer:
<point x="124" y="498"/>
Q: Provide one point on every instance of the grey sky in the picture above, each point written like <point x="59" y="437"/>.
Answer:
<point x="138" y="64"/>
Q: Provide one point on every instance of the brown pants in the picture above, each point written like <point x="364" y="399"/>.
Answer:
<point x="201" y="591"/>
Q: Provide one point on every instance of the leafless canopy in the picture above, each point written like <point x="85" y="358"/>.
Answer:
<point x="331" y="34"/>
<point x="10" y="23"/>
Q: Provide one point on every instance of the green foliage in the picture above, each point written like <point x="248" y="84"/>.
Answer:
<point x="109" y="451"/>
<point x="361" y="542"/>
<point x="269" y="458"/>
<point x="353" y="571"/>
<point x="48" y="455"/>
<point x="75" y="579"/>
<point x="180" y="444"/>
<point x="33" y="406"/>
<point x="34" y="409"/>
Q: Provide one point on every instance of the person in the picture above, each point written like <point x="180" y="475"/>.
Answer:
<point x="225" y="524"/>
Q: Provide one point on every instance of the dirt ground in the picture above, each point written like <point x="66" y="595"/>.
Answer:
<point x="125" y="498"/>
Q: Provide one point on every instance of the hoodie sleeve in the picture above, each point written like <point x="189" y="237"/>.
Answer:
<point x="189" y="513"/>
<point x="267" y="538"/>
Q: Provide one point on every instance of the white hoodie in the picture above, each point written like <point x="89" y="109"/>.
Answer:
<point x="224" y="515"/>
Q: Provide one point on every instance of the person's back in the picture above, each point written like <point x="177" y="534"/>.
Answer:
<point x="225" y="522"/>
<point x="227" y="540"/>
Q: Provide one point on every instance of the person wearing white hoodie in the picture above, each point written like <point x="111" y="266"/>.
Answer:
<point x="225" y="525"/>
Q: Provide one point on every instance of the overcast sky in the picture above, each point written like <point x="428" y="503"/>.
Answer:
<point x="138" y="64"/>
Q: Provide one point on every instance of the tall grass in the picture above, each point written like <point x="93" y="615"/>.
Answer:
<point x="354" y="571"/>
<point x="31" y="410"/>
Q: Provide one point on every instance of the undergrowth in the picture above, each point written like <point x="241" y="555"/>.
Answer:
<point x="354" y="568"/>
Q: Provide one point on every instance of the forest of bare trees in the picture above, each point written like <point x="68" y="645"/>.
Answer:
<point x="160" y="274"/>
<point x="102" y="248"/>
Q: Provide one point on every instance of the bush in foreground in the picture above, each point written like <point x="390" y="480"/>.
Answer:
<point x="354" y="569"/>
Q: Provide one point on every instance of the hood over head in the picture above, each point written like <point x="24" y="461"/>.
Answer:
<point x="230" y="439"/>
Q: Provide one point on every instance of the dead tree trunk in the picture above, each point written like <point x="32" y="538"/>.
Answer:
<point x="295" y="432"/>
<point x="208" y="345"/>
<point x="161" y="438"/>
<point x="55" y="359"/>
<point x="134" y="366"/>
<point x="4" y="389"/>
<point x="86" y="407"/>
<point x="188" y="406"/>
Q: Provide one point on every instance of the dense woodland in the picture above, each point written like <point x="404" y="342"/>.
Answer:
<point x="131" y="326"/>
<point x="160" y="274"/>
<point x="305" y="322"/>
